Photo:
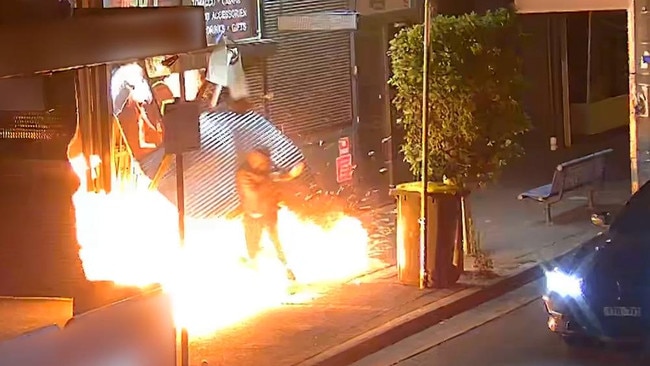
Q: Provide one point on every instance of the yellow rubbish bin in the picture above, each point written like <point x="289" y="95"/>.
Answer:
<point x="444" y="247"/>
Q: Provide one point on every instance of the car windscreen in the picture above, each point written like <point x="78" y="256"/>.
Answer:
<point x="635" y="215"/>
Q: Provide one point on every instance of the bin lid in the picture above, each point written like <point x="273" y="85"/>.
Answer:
<point x="432" y="187"/>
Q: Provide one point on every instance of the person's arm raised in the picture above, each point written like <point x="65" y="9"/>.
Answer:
<point x="293" y="173"/>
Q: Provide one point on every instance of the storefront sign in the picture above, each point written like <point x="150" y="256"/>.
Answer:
<point x="236" y="19"/>
<point x="182" y="131"/>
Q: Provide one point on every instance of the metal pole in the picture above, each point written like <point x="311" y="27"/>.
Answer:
<point x="566" y="102"/>
<point x="388" y="118"/>
<point x="180" y="199"/>
<point x="639" y="85"/>
<point x="632" y="60"/>
<point x="424" y="202"/>
<point x="356" y="154"/>
<point x="589" y="36"/>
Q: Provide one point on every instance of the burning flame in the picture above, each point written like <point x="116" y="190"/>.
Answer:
<point x="131" y="238"/>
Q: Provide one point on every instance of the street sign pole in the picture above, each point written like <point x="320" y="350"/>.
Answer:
<point x="424" y="203"/>
<point x="180" y="203"/>
<point x="182" y="134"/>
<point x="639" y="85"/>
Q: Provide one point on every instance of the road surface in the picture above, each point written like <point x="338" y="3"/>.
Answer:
<point x="514" y="338"/>
<point x="520" y="338"/>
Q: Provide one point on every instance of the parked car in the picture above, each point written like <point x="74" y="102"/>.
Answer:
<point x="602" y="292"/>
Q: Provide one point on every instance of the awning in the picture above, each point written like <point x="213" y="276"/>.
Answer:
<point x="101" y="36"/>
<point x="562" y="6"/>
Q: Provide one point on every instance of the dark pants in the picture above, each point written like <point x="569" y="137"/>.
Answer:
<point x="254" y="227"/>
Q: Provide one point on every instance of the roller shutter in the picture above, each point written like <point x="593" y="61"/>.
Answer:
<point x="210" y="172"/>
<point x="309" y="76"/>
<point x="255" y="79"/>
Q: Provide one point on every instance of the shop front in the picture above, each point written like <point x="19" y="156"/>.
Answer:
<point x="301" y="81"/>
<point x="379" y="134"/>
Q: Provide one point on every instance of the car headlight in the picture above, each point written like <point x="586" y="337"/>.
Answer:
<point x="563" y="284"/>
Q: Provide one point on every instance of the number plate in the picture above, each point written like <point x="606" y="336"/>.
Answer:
<point x="622" y="311"/>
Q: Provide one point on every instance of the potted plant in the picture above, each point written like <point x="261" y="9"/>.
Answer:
<point x="475" y="97"/>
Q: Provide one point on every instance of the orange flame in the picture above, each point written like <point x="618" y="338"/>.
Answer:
<point x="131" y="238"/>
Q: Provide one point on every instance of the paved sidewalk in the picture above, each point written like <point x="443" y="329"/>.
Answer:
<point x="514" y="234"/>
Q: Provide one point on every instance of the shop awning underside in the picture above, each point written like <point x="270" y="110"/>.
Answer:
<point x="100" y="36"/>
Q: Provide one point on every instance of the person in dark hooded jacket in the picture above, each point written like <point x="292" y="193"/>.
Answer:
<point x="260" y="199"/>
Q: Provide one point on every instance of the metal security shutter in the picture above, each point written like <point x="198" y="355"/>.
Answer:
<point x="40" y="134"/>
<point x="255" y="80"/>
<point x="310" y="73"/>
<point x="210" y="172"/>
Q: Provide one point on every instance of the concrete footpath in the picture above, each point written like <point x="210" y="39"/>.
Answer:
<point x="352" y="320"/>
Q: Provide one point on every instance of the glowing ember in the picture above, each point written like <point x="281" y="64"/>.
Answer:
<point x="131" y="238"/>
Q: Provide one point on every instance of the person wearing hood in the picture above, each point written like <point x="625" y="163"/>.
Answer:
<point x="259" y="197"/>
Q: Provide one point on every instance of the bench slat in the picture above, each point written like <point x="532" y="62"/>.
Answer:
<point x="539" y="194"/>
<point x="569" y="176"/>
<point x="585" y="158"/>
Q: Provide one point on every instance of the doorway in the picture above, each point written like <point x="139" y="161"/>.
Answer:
<point x="380" y="163"/>
<point x="400" y="169"/>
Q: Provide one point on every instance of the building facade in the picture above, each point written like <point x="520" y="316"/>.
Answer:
<point x="323" y="88"/>
<point x="320" y="86"/>
<point x="574" y="61"/>
<point x="381" y="164"/>
<point x="300" y="80"/>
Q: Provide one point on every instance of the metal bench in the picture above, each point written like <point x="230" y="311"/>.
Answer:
<point x="583" y="173"/>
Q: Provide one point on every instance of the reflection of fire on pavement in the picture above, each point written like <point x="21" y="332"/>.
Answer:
<point x="131" y="238"/>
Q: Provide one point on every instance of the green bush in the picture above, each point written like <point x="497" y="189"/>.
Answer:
<point x="476" y="85"/>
